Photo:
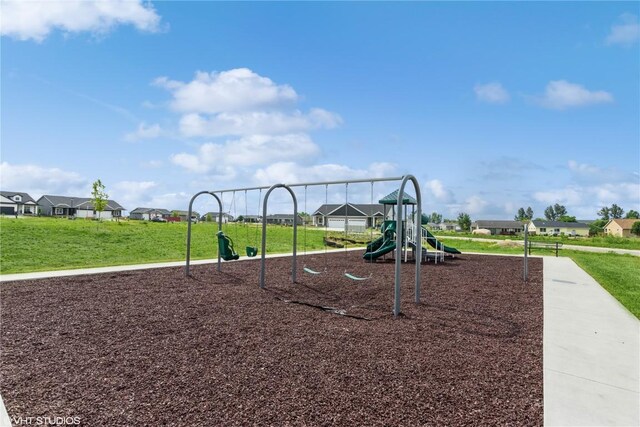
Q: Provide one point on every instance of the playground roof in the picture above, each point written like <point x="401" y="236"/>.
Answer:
<point x="392" y="199"/>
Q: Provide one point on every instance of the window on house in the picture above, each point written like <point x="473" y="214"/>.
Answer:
<point x="59" y="211"/>
<point x="543" y="230"/>
<point x="17" y="198"/>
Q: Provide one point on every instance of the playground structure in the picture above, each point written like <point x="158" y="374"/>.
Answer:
<point x="227" y="251"/>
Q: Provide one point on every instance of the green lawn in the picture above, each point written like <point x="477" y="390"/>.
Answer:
<point x="41" y="244"/>
<point x="599" y="241"/>
<point x="618" y="274"/>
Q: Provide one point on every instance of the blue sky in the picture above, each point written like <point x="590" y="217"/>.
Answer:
<point x="492" y="106"/>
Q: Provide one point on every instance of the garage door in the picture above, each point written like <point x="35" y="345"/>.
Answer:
<point x="355" y="224"/>
<point x="8" y="210"/>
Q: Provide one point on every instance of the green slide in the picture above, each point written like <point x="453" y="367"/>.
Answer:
<point x="434" y="242"/>
<point x="383" y="244"/>
<point x="439" y="246"/>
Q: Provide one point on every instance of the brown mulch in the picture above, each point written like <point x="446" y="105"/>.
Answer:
<point x="152" y="348"/>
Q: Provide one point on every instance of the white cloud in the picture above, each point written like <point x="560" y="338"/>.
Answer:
<point x="152" y="164"/>
<point x="290" y="172"/>
<point x="437" y="189"/>
<point x="625" y="32"/>
<point x="144" y="131"/>
<point x="35" y="20"/>
<point x="560" y="95"/>
<point x="492" y="93"/>
<point x="235" y="90"/>
<point x="248" y="151"/>
<point x="37" y="180"/>
<point x="132" y="194"/>
<point x="258" y="122"/>
<point x="475" y="205"/>
<point x="583" y="173"/>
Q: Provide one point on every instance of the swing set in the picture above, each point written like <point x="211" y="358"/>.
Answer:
<point x="226" y="248"/>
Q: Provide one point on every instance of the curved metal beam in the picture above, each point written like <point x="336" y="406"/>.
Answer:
<point x="399" y="237"/>
<point x="264" y="232"/>
<point x="186" y="268"/>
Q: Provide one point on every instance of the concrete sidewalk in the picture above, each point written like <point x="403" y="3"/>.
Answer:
<point x="591" y="352"/>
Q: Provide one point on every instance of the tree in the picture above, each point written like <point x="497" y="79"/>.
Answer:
<point x="615" y="211"/>
<point x="436" y="218"/>
<point x="464" y="221"/>
<point x="99" y="197"/>
<point x="635" y="228"/>
<point x="597" y="227"/>
<point x="632" y="214"/>
<point x="604" y="213"/>
<point x="523" y="215"/>
<point x="567" y="218"/>
<point x="553" y="213"/>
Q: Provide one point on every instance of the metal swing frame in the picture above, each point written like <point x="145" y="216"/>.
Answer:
<point x="398" y="257"/>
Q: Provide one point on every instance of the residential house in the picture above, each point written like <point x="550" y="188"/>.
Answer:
<point x="354" y="217"/>
<point x="149" y="213"/>
<point x="557" y="228"/>
<point x="214" y="216"/>
<point x="283" y="219"/>
<point x="620" y="227"/>
<point x="183" y="215"/>
<point x="501" y="227"/>
<point x="77" y="207"/>
<point x="16" y="203"/>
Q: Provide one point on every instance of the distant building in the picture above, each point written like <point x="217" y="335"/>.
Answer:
<point x="499" y="227"/>
<point x="358" y="216"/>
<point x="214" y="216"/>
<point x="77" y="207"/>
<point x="620" y="227"/>
<point x="149" y="213"/>
<point x="283" y="219"/>
<point x="16" y="203"/>
<point x="557" y="228"/>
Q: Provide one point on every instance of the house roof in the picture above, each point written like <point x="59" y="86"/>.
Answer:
<point x="559" y="224"/>
<point x="282" y="216"/>
<point x="217" y="214"/>
<point x="353" y="210"/>
<point x="26" y="198"/>
<point x="78" y="202"/>
<point x="150" y="210"/>
<point x="625" y="223"/>
<point x="392" y="199"/>
<point x="490" y="223"/>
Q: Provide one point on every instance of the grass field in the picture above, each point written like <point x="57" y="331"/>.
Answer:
<point x="41" y="244"/>
<point x="597" y="241"/>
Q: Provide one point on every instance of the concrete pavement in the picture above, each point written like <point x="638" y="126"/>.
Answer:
<point x="591" y="352"/>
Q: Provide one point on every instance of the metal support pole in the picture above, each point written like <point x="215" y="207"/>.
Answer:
<point x="396" y="304"/>
<point x="186" y="269"/>
<point x="264" y="232"/>
<point x="526" y="258"/>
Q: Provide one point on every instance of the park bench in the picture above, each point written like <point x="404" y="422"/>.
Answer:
<point x="545" y="245"/>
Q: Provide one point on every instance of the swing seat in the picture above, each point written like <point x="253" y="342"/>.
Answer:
<point x="225" y="246"/>
<point x="310" y="271"/>
<point x="352" y="277"/>
<point x="252" y="251"/>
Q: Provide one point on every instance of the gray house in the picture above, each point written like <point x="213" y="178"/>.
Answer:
<point x="283" y="219"/>
<point x="149" y="213"/>
<point x="504" y="227"/>
<point x="77" y="207"/>
<point x="358" y="217"/>
<point x="16" y="203"/>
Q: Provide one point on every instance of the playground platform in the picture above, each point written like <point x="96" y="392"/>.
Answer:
<point x="591" y="346"/>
